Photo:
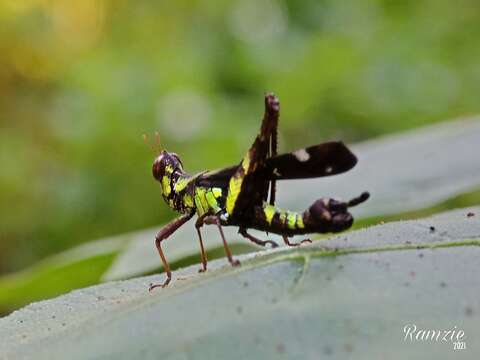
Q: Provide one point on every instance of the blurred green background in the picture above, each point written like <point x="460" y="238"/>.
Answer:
<point x="80" y="82"/>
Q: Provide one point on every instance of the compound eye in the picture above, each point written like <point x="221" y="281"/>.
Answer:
<point x="158" y="168"/>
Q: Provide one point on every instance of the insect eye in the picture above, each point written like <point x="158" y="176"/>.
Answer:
<point x="158" y="169"/>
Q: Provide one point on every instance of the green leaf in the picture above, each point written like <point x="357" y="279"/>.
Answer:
<point x="350" y="296"/>
<point x="72" y="269"/>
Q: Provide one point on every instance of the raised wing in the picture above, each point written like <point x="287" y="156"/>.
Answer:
<point x="325" y="159"/>
<point x="248" y="183"/>
<point x="247" y="187"/>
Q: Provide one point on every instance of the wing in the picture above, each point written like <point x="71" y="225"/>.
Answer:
<point x="247" y="186"/>
<point x="217" y="178"/>
<point x="325" y="159"/>
<point x="248" y="183"/>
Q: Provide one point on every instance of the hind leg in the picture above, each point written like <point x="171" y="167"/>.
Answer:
<point x="243" y="232"/>
<point x="288" y="243"/>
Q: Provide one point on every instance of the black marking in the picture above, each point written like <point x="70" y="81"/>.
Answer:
<point x="323" y="160"/>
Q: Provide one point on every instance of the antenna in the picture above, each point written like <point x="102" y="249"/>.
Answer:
<point x="154" y="147"/>
<point x="157" y="141"/>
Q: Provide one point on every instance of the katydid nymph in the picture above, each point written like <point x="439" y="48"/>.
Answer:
<point x="243" y="195"/>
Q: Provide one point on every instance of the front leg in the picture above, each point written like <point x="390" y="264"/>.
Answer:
<point x="163" y="234"/>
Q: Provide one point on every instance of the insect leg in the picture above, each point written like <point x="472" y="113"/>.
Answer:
<point x="243" y="232"/>
<point x="198" y="225"/>
<point x="288" y="243"/>
<point x="212" y="219"/>
<point x="163" y="234"/>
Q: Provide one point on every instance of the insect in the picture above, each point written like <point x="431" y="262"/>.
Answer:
<point x="243" y="195"/>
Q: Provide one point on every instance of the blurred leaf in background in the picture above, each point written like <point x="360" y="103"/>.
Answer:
<point x="80" y="82"/>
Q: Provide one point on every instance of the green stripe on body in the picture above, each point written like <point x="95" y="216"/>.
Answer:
<point x="291" y="219"/>
<point x="235" y="184"/>
<point x="269" y="211"/>
<point x="206" y="200"/>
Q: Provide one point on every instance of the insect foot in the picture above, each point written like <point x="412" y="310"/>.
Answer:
<point x="154" y="286"/>
<point x="235" y="262"/>
<point x="288" y="243"/>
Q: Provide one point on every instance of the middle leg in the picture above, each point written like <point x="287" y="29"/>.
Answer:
<point x="198" y="225"/>
<point x="213" y="219"/>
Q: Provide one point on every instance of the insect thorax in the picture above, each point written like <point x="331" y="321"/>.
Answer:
<point x="181" y="194"/>
<point x="178" y="191"/>
<point x="209" y="200"/>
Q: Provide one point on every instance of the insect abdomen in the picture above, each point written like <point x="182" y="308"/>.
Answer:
<point x="324" y="215"/>
<point x="273" y="219"/>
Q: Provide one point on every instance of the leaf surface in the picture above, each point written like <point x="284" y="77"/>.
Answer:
<point x="350" y="296"/>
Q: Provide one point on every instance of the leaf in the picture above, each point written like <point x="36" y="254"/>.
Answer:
<point x="78" y="267"/>
<point x="43" y="282"/>
<point x="350" y="296"/>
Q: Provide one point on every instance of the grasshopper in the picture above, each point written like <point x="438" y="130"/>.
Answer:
<point x="243" y="195"/>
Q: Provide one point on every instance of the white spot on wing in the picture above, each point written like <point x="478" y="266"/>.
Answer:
<point x="328" y="169"/>
<point x="224" y="216"/>
<point x="302" y="155"/>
